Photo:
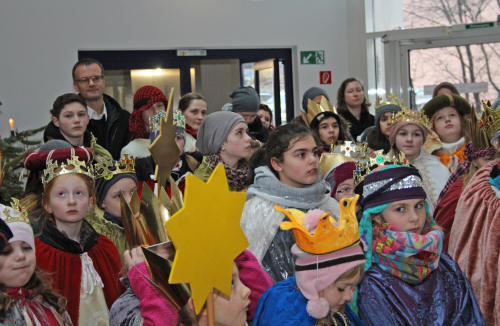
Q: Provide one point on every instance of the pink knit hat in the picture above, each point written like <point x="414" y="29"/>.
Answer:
<point x="342" y="173"/>
<point x="315" y="273"/>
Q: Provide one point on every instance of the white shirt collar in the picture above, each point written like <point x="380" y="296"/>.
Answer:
<point x="451" y="147"/>
<point x="93" y="115"/>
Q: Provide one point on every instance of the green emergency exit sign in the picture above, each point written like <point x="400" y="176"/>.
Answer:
<point x="479" y="25"/>
<point x="312" y="57"/>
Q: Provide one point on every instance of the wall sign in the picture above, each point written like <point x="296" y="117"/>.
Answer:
<point x="312" y="57"/>
<point x="325" y="77"/>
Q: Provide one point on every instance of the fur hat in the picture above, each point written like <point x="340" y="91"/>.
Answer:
<point x="447" y="100"/>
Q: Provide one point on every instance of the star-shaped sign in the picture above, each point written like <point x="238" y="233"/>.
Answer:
<point x="164" y="149"/>
<point x="207" y="236"/>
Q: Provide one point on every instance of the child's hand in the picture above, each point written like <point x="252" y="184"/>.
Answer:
<point x="133" y="257"/>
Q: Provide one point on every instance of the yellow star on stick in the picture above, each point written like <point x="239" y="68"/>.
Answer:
<point x="164" y="149"/>
<point x="207" y="236"/>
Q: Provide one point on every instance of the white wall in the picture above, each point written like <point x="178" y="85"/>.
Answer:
<point x="39" y="40"/>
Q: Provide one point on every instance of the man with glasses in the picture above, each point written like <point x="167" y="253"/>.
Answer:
<point x="108" y="121"/>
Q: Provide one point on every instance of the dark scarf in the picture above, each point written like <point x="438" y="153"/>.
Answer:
<point x="236" y="178"/>
<point x="55" y="238"/>
<point x="191" y="131"/>
<point x="113" y="219"/>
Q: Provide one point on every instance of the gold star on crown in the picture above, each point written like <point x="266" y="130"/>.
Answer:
<point x="154" y="121"/>
<point x="490" y="120"/>
<point x="406" y="115"/>
<point x="363" y="168"/>
<point x="16" y="206"/>
<point x="391" y="99"/>
<point x="78" y="167"/>
<point x="106" y="167"/>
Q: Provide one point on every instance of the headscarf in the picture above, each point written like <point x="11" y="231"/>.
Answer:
<point x="396" y="127"/>
<point x="144" y="98"/>
<point x="214" y="130"/>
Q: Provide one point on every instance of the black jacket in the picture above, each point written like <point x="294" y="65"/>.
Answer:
<point x="258" y="131"/>
<point x="52" y="132"/>
<point x="116" y="134"/>
<point x="358" y="126"/>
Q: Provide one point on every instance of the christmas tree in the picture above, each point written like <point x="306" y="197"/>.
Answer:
<point x="12" y="151"/>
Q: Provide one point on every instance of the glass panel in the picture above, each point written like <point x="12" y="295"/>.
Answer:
<point x="122" y="84"/>
<point x="376" y="71"/>
<point x="427" y="13"/>
<point x="460" y="65"/>
<point x="248" y="74"/>
<point x="282" y="93"/>
<point x="267" y="89"/>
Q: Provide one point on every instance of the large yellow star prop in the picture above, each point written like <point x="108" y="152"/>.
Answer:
<point x="207" y="236"/>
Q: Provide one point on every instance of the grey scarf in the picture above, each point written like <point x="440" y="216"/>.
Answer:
<point x="269" y="187"/>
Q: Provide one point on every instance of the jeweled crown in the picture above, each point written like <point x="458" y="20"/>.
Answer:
<point x="406" y="115"/>
<point x="391" y="99"/>
<point x="106" y="167"/>
<point x="179" y="120"/>
<point x="313" y="109"/>
<point x="78" y="167"/>
<point x="490" y="120"/>
<point x="154" y="121"/>
<point x="363" y="168"/>
<point x="327" y="238"/>
<point x="16" y="206"/>
<point x="358" y="151"/>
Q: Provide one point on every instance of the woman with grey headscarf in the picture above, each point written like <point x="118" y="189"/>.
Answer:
<point x="223" y="138"/>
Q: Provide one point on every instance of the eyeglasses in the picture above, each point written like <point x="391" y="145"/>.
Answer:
<point x="86" y="81"/>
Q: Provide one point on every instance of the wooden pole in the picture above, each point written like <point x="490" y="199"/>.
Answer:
<point x="210" y="309"/>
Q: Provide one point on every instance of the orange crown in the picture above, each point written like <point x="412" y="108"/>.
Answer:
<point x="328" y="237"/>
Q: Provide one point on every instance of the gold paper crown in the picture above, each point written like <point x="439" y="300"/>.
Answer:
<point x="358" y="151"/>
<point x="329" y="161"/>
<point x="327" y="238"/>
<point x="23" y="213"/>
<point x="406" y="115"/>
<point x="479" y="136"/>
<point x="106" y="167"/>
<point x="313" y="109"/>
<point x="144" y="218"/>
<point x="490" y="120"/>
<point x="379" y="160"/>
<point x="154" y="121"/>
<point x="391" y="99"/>
<point x="78" y="167"/>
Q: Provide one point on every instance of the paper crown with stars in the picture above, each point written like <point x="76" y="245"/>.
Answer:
<point x="105" y="168"/>
<point x="53" y="169"/>
<point x="363" y="168"/>
<point x="490" y="120"/>
<point x="327" y="237"/>
<point x="406" y="115"/>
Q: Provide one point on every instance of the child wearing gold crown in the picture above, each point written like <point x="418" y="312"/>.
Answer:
<point x="85" y="265"/>
<point x="378" y="136"/>
<point x="286" y="174"/>
<point x="408" y="280"/>
<point x="325" y="271"/>
<point x="450" y="129"/>
<point x="26" y="298"/>
<point x="409" y="130"/>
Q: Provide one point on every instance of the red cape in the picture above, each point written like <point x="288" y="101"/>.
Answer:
<point x="444" y="214"/>
<point x="475" y="239"/>
<point x="66" y="271"/>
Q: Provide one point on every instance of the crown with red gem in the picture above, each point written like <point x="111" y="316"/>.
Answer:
<point x="53" y="169"/>
<point x="406" y="115"/>
<point x="363" y="168"/>
<point x="21" y="210"/>
<point x="357" y="151"/>
<point x="106" y="167"/>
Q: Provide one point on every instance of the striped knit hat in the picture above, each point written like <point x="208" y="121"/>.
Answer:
<point x="315" y="273"/>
